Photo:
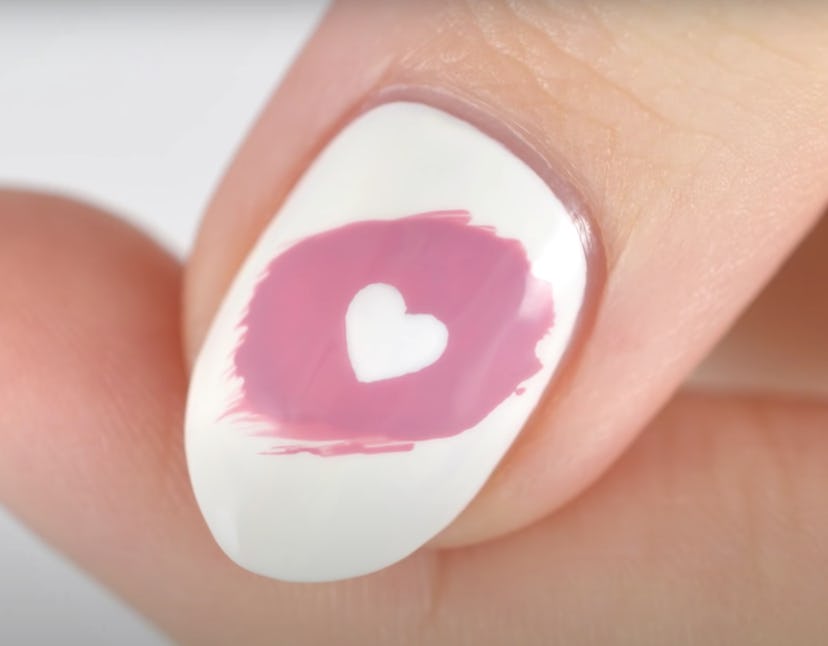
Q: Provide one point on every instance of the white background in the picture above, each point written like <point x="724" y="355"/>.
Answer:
<point x="138" y="108"/>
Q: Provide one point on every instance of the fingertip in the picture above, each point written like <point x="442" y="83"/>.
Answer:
<point x="91" y="372"/>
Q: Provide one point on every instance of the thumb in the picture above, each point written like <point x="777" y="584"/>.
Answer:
<point x="647" y="131"/>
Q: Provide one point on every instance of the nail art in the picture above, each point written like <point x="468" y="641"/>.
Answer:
<point x="381" y="347"/>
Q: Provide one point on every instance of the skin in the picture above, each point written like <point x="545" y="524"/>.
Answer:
<point x="641" y="505"/>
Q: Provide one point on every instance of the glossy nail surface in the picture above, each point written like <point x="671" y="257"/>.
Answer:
<point x="382" y="346"/>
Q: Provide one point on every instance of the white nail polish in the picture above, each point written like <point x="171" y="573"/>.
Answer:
<point x="382" y="346"/>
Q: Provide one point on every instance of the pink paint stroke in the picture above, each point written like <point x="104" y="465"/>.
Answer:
<point x="292" y="359"/>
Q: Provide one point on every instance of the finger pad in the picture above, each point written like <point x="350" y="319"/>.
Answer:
<point x="92" y="380"/>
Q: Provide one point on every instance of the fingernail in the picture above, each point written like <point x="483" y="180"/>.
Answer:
<point x="382" y="346"/>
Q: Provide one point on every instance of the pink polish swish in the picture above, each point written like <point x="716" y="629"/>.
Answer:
<point x="292" y="359"/>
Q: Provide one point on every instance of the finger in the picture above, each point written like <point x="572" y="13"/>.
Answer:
<point x="668" y="132"/>
<point x="720" y="500"/>
<point x="710" y="530"/>
<point x="92" y="384"/>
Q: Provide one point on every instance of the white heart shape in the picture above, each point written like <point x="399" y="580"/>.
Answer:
<point x="384" y="341"/>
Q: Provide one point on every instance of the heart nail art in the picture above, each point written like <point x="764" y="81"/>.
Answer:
<point x="382" y="346"/>
<point x="384" y="341"/>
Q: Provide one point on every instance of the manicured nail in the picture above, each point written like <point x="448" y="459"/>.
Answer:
<point x="382" y="346"/>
